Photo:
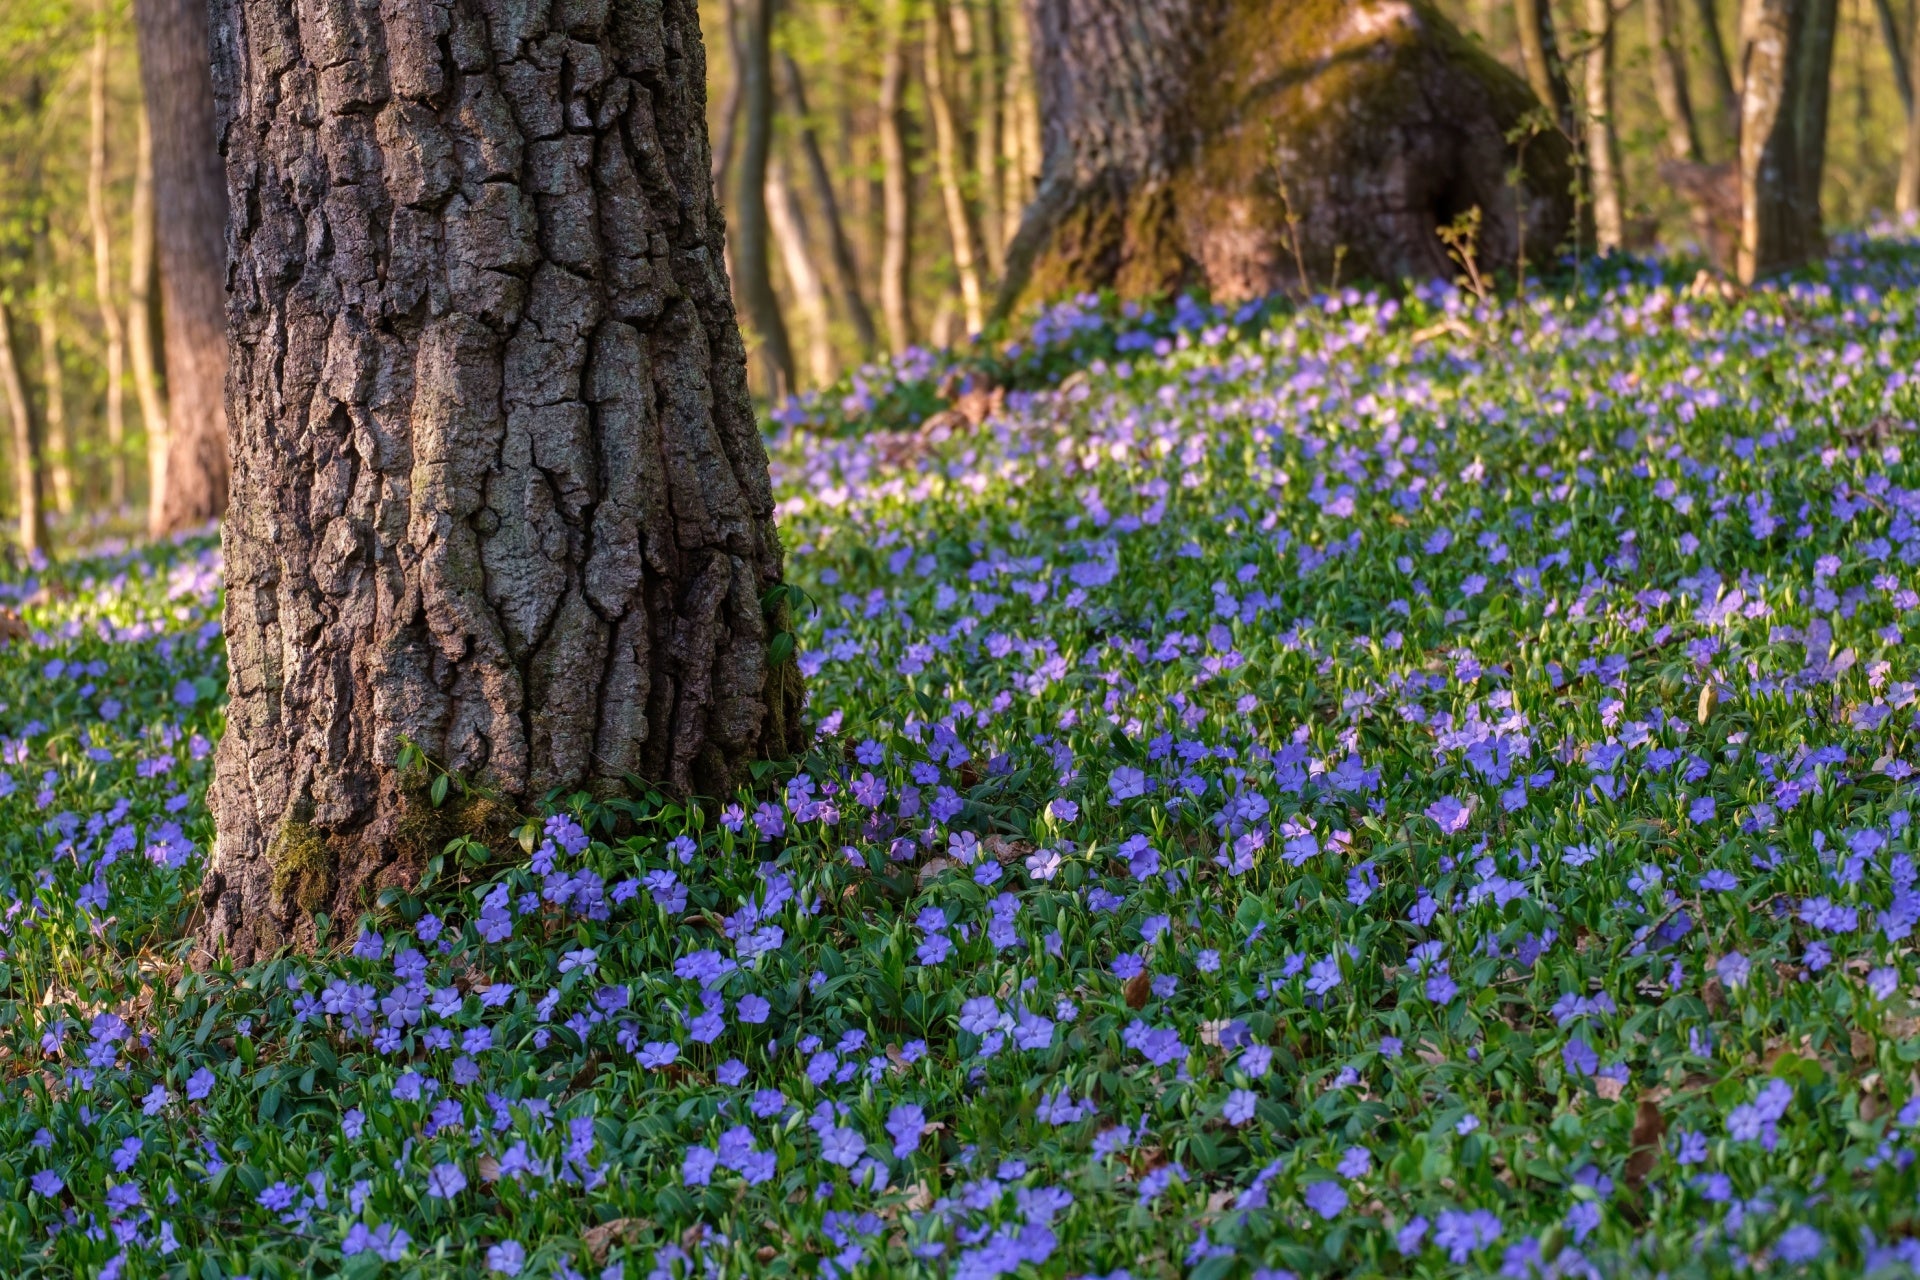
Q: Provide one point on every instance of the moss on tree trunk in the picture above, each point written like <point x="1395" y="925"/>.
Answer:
<point x="1237" y="143"/>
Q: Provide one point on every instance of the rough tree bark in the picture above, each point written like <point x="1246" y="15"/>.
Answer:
<point x="1181" y="134"/>
<point x="190" y="218"/>
<point x="896" y="185"/>
<point x="1603" y="130"/>
<point x="26" y="437"/>
<point x="752" y="262"/>
<point x="498" y="489"/>
<point x="141" y="318"/>
<point x="846" y="272"/>
<point x="103" y="263"/>
<point x="1540" y="55"/>
<point x="1786" y="59"/>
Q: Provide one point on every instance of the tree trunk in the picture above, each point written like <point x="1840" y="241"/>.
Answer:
<point x="1785" y="64"/>
<point x="1906" y="195"/>
<point x="963" y="230"/>
<point x="1602" y="130"/>
<point x="1540" y="55"/>
<point x="1896" y="52"/>
<point x="26" y="437"/>
<point x="753" y="274"/>
<point x="498" y="489"/>
<point x="141" y="320"/>
<point x="896" y="180"/>
<point x="1020" y="130"/>
<point x="1718" y="68"/>
<point x="58" y="440"/>
<point x="731" y="104"/>
<point x="1683" y="165"/>
<point x="1182" y="134"/>
<point x="1670" y="81"/>
<point x="103" y="265"/>
<point x="789" y="224"/>
<point x="190" y="220"/>
<point x="986" y="150"/>
<point x="846" y="272"/>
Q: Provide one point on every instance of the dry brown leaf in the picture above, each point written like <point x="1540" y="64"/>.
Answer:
<point x="1649" y="1127"/>
<point x="599" y="1240"/>
<point x="1138" y="988"/>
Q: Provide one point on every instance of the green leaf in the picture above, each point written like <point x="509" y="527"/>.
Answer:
<point x="438" y="792"/>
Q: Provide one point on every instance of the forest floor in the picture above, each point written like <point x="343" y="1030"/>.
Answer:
<point x="1389" y="786"/>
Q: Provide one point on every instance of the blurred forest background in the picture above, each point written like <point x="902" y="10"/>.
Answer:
<point x="900" y="141"/>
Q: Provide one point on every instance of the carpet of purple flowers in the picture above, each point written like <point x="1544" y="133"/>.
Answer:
<point x="1397" y="786"/>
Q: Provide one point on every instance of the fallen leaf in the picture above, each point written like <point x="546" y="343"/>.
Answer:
<point x="1138" y="988"/>
<point x="599" y="1240"/>
<point x="1649" y="1127"/>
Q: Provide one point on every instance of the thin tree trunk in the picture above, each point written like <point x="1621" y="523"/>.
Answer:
<point x="1540" y="55"/>
<point x="896" y="261"/>
<point x="730" y="105"/>
<point x="498" y="490"/>
<point x="789" y="225"/>
<point x="1683" y="151"/>
<point x="103" y="265"/>
<point x="1602" y="130"/>
<point x="141" y="319"/>
<point x="753" y="275"/>
<point x="26" y="437"/>
<point x="53" y="385"/>
<point x="1719" y="71"/>
<point x="1019" y="130"/>
<point x="1670" y="81"/>
<point x="987" y="148"/>
<point x="190" y="232"/>
<point x="1785" y="67"/>
<point x="949" y="149"/>
<point x="1897" y="53"/>
<point x="846" y="271"/>
<point x="1906" y="194"/>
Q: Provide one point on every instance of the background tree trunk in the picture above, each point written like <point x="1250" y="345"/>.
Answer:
<point x="1718" y="69"/>
<point x="141" y="320"/>
<point x="1896" y="52"/>
<point x="950" y="150"/>
<point x="1179" y="133"/>
<point x="57" y="440"/>
<point x="103" y="264"/>
<point x="987" y="147"/>
<point x="1670" y="81"/>
<point x="753" y="274"/>
<point x="731" y="104"/>
<point x="190" y="220"/>
<point x="1540" y="55"/>
<point x="896" y="183"/>
<point x="846" y="272"/>
<point x="1785" y="61"/>
<point x="498" y="490"/>
<point x="789" y="225"/>
<point x="1603" y="130"/>
<point x="26" y="437"/>
<point x="1906" y="193"/>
